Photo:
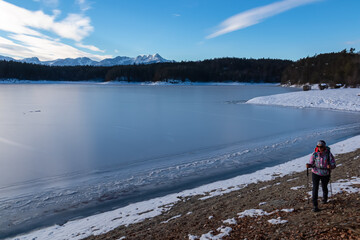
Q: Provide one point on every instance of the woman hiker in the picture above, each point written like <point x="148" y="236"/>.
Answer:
<point x="322" y="162"/>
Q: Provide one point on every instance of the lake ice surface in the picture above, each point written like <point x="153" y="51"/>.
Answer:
<point x="69" y="150"/>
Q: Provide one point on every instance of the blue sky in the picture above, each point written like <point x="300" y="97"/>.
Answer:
<point x="178" y="30"/>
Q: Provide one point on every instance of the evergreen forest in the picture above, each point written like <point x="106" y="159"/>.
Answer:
<point x="332" y="68"/>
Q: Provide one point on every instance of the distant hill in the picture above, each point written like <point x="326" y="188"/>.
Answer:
<point x="84" y="61"/>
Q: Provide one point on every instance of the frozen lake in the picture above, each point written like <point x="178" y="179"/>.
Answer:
<point x="70" y="150"/>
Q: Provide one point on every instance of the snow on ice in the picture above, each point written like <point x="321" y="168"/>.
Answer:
<point x="338" y="99"/>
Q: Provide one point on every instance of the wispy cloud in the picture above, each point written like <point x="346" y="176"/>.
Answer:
<point x="84" y="5"/>
<point x="176" y="15"/>
<point x="19" y="20"/>
<point x="255" y="16"/>
<point x="28" y="33"/>
<point x="49" y="3"/>
<point x="90" y="47"/>
<point x="74" y="26"/>
<point x="352" y="42"/>
<point x="20" y="45"/>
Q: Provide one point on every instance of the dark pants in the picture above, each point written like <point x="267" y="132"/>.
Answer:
<point x="324" y="182"/>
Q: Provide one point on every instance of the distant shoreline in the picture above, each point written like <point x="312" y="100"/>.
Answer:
<point x="162" y="83"/>
<point x="162" y="207"/>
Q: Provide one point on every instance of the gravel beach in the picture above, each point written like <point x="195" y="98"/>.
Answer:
<point x="284" y="201"/>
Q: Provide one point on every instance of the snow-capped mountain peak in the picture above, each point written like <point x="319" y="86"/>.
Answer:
<point x="148" y="59"/>
<point x="4" y="58"/>
<point x="85" y="61"/>
<point x="119" y="60"/>
<point x="33" y="60"/>
<point x="81" y="61"/>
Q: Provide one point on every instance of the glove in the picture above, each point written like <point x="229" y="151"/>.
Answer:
<point x="308" y="165"/>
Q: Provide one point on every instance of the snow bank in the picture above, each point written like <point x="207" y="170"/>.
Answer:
<point x="347" y="99"/>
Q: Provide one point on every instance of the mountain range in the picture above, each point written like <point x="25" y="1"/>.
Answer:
<point x="83" y="61"/>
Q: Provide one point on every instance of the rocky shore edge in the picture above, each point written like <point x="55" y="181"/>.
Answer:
<point x="275" y="209"/>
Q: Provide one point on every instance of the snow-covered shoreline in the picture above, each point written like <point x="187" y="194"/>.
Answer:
<point x="163" y="83"/>
<point x="17" y="81"/>
<point x="137" y="212"/>
<point x="345" y="99"/>
<point x="179" y="83"/>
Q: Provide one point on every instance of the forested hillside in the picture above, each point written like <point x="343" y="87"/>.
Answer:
<point x="28" y="71"/>
<point x="216" y="70"/>
<point x="332" y="68"/>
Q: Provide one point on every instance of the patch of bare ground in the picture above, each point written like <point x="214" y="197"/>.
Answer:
<point x="338" y="219"/>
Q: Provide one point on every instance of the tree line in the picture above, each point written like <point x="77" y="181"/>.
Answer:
<point x="333" y="68"/>
<point x="29" y="71"/>
<point x="215" y="70"/>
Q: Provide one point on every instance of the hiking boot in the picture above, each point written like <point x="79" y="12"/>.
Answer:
<point x="316" y="209"/>
<point x="324" y="201"/>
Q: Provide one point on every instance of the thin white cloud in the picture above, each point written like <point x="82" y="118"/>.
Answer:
<point x="255" y="16"/>
<point x="56" y="13"/>
<point x="23" y="46"/>
<point x="74" y="26"/>
<point x="27" y="34"/>
<point x="90" y="47"/>
<point x="12" y="49"/>
<point x="352" y="42"/>
<point x="176" y="15"/>
<point x="49" y="3"/>
<point x="19" y="20"/>
<point x="84" y="5"/>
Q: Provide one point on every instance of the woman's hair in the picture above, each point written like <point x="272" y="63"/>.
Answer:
<point x="321" y="143"/>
